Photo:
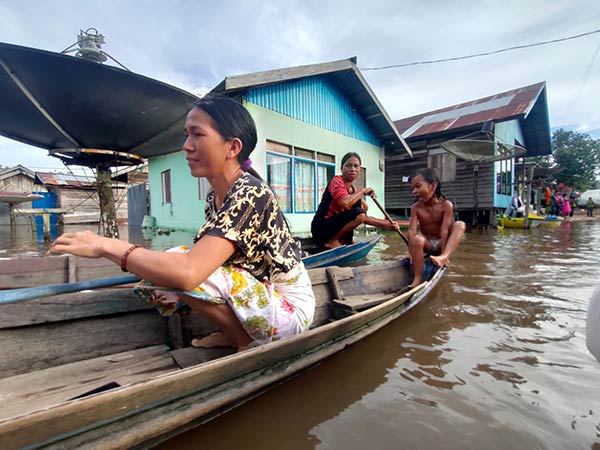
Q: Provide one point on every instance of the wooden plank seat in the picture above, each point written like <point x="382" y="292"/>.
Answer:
<point x="355" y="303"/>
<point x="361" y="302"/>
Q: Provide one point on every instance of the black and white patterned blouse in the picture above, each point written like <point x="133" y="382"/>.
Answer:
<point x="250" y="217"/>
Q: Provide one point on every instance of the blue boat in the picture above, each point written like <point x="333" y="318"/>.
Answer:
<point x="345" y="254"/>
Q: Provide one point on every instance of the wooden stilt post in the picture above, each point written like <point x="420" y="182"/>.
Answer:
<point x="108" y="215"/>
<point x="13" y="222"/>
<point x="46" y="227"/>
<point x="475" y="218"/>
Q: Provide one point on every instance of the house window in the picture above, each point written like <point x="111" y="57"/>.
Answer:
<point x="166" y="186"/>
<point x="443" y="162"/>
<point x="203" y="188"/>
<point x="303" y="172"/>
<point x="279" y="177"/>
<point x="504" y="177"/>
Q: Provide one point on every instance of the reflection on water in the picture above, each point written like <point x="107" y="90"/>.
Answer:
<point x="496" y="358"/>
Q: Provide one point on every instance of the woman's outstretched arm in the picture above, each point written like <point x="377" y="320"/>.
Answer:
<point x="175" y="270"/>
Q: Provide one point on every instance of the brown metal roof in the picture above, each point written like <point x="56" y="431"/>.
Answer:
<point x="528" y="103"/>
<point x="63" y="179"/>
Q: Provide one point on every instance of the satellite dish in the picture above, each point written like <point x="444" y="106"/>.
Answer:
<point x="482" y="147"/>
<point x="482" y="151"/>
<point x="87" y="113"/>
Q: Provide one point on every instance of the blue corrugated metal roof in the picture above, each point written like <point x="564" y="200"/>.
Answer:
<point x="342" y="74"/>
<point x="333" y="111"/>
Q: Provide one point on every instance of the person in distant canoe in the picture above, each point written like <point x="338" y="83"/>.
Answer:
<point x="573" y="199"/>
<point x="566" y="209"/>
<point x="343" y="207"/>
<point x="244" y="272"/>
<point x="432" y="215"/>
<point x="589" y="207"/>
<point x="557" y="203"/>
<point x="513" y="207"/>
<point x="547" y="196"/>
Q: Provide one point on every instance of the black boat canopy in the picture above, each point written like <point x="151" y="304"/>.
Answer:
<point x="55" y="101"/>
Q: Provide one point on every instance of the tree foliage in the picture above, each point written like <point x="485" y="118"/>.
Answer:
<point x="578" y="155"/>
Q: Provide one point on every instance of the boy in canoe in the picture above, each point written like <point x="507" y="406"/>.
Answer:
<point x="432" y="214"/>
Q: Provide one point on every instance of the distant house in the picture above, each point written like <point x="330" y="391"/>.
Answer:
<point x="15" y="179"/>
<point x="77" y="194"/>
<point x="307" y="118"/>
<point x="518" y="116"/>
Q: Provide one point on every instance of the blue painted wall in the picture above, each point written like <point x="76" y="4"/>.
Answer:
<point x="47" y="201"/>
<point x="333" y="110"/>
<point x="506" y="132"/>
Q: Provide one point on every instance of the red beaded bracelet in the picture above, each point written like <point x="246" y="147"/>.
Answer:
<point x="126" y="255"/>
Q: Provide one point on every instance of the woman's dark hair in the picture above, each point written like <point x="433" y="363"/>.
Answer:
<point x="231" y="120"/>
<point x="431" y="176"/>
<point x="349" y="155"/>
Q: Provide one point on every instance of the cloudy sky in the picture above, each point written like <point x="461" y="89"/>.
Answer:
<point x="194" y="44"/>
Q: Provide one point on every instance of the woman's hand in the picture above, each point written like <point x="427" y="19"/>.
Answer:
<point x="369" y="191"/>
<point x="81" y="243"/>
<point x="392" y="225"/>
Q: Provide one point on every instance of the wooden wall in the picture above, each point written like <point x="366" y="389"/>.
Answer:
<point x="398" y="195"/>
<point x="20" y="183"/>
<point x="17" y="183"/>
<point x="83" y="205"/>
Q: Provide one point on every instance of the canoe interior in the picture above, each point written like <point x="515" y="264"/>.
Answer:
<point x="62" y="350"/>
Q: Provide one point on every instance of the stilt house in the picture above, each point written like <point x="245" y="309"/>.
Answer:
<point x="518" y="116"/>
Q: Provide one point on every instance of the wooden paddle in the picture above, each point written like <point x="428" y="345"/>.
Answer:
<point x="387" y="216"/>
<point x="17" y="295"/>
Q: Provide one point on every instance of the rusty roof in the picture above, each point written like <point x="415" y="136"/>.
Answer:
<point x="527" y="103"/>
<point x="63" y="179"/>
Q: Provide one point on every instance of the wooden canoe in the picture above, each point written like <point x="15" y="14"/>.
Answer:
<point x="505" y="221"/>
<point x="150" y="385"/>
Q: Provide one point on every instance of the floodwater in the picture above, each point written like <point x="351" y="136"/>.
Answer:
<point x="495" y="358"/>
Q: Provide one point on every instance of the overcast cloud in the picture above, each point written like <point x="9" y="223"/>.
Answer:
<point x="195" y="44"/>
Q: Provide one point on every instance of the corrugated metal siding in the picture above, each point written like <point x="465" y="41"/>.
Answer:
<point x="333" y="111"/>
<point x="137" y="205"/>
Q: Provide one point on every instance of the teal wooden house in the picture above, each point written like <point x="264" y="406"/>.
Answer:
<point x="307" y="118"/>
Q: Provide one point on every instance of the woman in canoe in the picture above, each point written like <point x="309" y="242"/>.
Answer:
<point x="343" y="207"/>
<point x="244" y="272"/>
<point x="432" y="214"/>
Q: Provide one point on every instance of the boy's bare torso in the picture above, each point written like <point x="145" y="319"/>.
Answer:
<point x="431" y="219"/>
